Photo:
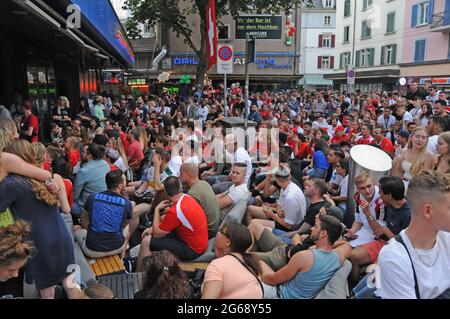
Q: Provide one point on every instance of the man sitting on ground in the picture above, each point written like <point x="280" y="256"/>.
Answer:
<point x="419" y="267"/>
<point x="183" y="230"/>
<point x="203" y="194"/>
<point x="308" y="271"/>
<point x="237" y="192"/>
<point x="398" y="216"/>
<point x="104" y="219"/>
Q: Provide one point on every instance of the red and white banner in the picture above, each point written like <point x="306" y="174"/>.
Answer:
<point x="211" y="32"/>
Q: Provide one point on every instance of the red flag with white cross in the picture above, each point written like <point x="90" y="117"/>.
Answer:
<point x="211" y="34"/>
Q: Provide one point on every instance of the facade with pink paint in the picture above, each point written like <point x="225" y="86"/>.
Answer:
<point x="426" y="40"/>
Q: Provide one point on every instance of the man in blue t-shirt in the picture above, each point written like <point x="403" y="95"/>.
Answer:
<point x="105" y="219"/>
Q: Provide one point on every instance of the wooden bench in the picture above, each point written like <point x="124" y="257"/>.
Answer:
<point x="192" y="266"/>
<point x="106" y="265"/>
<point x="123" y="286"/>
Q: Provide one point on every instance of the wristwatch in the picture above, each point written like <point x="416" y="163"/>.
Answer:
<point x="370" y="218"/>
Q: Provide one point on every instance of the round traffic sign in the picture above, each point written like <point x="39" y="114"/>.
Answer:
<point x="225" y="53"/>
<point x="351" y="73"/>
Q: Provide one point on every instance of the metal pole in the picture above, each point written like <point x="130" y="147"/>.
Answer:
<point x="353" y="46"/>
<point x="225" y="94"/>
<point x="247" y="40"/>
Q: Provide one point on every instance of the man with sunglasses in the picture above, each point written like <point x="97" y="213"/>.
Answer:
<point x="433" y="94"/>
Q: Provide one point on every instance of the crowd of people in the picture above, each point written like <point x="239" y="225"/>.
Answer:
<point x="163" y="179"/>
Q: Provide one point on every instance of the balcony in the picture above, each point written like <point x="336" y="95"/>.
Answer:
<point x="441" y="22"/>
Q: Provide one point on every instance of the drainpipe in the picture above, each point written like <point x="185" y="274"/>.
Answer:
<point x="159" y="58"/>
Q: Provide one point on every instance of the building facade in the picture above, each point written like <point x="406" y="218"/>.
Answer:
<point x="277" y="53"/>
<point x="426" y="54"/>
<point x="369" y="36"/>
<point x="317" y="43"/>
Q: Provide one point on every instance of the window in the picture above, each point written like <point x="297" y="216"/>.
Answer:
<point x="325" y="62"/>
<point x="148" y="28"/>
<point x="327" y="20"/>
<point x="390" y="28"/>
<point x="419" y="51"/>
<point x="389" y="54"/>
<point x="345" y="60"/>
<point x="366" y="30"/>
<point x="346" y="34"/>
<point x="328" y="4"/>
<point x="365" y="57"/>
<point x="423" y="10"/>
<point x="224" y="32"/>
<point x="326" y="41"/>
<point x="366" y="4"/>
<point x="347" y="8"/>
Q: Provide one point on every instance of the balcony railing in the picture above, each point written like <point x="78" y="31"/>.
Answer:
<point x="441" y="19"/>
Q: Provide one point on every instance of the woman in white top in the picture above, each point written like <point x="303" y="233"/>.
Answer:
<point x="443" y="149"/>
<point x="116" y="144"/>
<point x="415" y="158"/>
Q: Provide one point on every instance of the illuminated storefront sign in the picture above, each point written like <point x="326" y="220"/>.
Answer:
<point x="185" y="61"/>
<point x="101" y="15"/>
<point x="435" y="81"/>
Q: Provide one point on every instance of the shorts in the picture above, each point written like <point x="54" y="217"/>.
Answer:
<point x="373" y="249"/>
<point x="175" y="245"/>
<point x="273" y="250"/>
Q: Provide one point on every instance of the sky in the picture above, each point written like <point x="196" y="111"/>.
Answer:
<point x="117" y="4"/>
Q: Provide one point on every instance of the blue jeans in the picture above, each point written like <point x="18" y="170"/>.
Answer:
<point x="362" y="291"/>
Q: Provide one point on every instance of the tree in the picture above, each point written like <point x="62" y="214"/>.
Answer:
<point x="173" y="14"/>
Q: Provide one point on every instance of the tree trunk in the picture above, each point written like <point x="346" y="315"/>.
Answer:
<point x="202" y="59"/>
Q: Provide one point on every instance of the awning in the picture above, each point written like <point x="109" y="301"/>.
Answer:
<point x="315" y="79"/>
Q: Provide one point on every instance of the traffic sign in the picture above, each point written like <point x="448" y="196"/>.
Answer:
<point x="225" y="59"/>
<point x="351" y="76"/>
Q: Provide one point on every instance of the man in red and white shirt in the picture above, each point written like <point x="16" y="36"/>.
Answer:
<point x="366" y="135"/>
<point x="183" y="230"/>
<point x="382" y="141"/>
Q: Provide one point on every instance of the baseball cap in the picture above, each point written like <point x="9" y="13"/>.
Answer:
<point x="339" y="128"/>
<point x="112" y="154"/>
<point x="282" y="172"/>
<point x="403" y="133"/>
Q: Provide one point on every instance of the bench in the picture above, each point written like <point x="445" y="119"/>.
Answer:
<point x="106" y="265"/>
<point x="124" y="286"/>
<point x="187" y="266"/>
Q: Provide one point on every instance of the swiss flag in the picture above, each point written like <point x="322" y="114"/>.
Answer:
<point x="211" y="32"/>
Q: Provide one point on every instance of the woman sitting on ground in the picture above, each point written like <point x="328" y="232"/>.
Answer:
<point x="234" y="274"/>
<point x="164" y="279"/>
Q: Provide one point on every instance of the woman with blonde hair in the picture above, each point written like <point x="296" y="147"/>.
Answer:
<point x="30" y="200"/>
<point x="415" y="158"/>
<point x="60" y="113"/>
<point x="116" y="144"/>
<point x="143" y="138"/>
<point x="443" y="149"/>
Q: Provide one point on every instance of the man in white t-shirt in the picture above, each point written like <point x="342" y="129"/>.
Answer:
<point x="406" y="116"/>
<point x="290" y="209"/>
<point x="427" y="240"/>
<point x="436" y="125"/>
<point x="236" y="193"/>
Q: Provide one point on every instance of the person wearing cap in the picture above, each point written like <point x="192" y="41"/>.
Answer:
<point x="339" y="135"/>
<point x="111" y="156"/>
<point x="29" y="125"/>
<point x="104" y="221"/>
<point x="290" y="209"/>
